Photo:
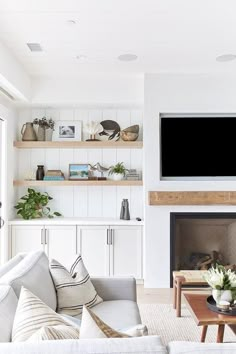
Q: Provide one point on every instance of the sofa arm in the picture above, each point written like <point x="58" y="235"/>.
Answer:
<point x="180" y="347"/>
<point x="115" y="288"/>
<point x="149" y="345"/>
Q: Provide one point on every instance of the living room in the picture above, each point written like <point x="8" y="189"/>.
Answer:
<point x="84" y="63"/>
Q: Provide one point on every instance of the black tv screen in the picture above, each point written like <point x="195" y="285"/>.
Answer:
<point x="198" y="147"/>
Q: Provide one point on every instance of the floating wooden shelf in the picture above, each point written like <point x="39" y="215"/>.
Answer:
<point x="24" y="183"/>
<point x="78" y="144"/>
<point x="192" y="198"/>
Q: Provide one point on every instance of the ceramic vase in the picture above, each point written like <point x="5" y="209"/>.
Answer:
<point x="41" y="133"/>
<point x="48" y="134"/>
<point x="28" y="132"/>
<point x="222" y="295"/>
<point x="117" y="176"/>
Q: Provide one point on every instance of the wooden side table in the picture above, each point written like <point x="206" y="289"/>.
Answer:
<point x="185" y="277"/>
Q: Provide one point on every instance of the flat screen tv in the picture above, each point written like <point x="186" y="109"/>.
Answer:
<point x="198" y="147"/>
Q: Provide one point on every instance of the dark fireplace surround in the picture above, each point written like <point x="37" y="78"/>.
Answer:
<point x="178" y="216"/>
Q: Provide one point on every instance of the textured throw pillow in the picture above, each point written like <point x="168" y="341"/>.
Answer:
<point x="55" y="333"/>
<point x="93" y="327"/>
<point x="31" y="315"/>
<point x="74" y="288"/>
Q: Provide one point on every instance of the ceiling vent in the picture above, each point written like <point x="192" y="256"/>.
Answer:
<point x="34" y="47"/>
<point x="6" y="93"/>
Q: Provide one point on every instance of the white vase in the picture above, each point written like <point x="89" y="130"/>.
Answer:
<point x="48" y="134"/>
<point x="222" y="295"/>
<point x="117" y="176"/>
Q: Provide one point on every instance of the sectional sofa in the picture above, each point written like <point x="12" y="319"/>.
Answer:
<point x="119" y="309"/>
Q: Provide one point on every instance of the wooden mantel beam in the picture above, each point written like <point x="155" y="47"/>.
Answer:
<point x="192" y="198"/>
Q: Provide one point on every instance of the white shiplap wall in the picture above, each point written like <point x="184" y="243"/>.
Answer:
<point x="95" y="201"/>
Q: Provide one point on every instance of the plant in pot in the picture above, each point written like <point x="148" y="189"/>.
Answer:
<point x="118" y="171"/>
<point x="35" y="205"/>
<point x="45" y="128"/>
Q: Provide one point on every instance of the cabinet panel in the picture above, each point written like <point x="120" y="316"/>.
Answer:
<point x="61" y="243"/>
<point x="126" y="251"/>
<point x="26" y="239"/>
<point x="94" y="249"/>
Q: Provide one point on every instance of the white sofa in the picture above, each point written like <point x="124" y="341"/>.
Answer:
<point x="119" y="309"/>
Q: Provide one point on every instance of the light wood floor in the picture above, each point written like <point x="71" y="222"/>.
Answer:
<point x="159" y="296"/>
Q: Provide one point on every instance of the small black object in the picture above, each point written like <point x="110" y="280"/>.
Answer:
<point x="211" y="304"/>
<point x="138" y="219"/>
<point x="40" y="173"/>
<point x="124" y="212"/>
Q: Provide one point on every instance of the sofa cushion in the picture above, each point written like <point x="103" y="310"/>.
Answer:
<point x="8" y="304"/>
<point x="33" y="273"/>
<point x="181" y="347"/>
<point x="140" y="345"/>
<point x="11" y="263"/>
<point x="55" y="333"/>
<point x="93" y="327"/>
<point x="31" y="315"/>
<point x="74" y="288"/>
<point x="118" y="314"/>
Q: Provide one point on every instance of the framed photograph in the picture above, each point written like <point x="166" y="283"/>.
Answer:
<point x="67" y="130"/>
<point x="78" y="171"/>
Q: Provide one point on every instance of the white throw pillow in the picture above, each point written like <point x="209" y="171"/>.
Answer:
<point x="31" y="315"/>
<point x="55" y="333"/>
<point x="74" y="288"/>
<point x="93" y="327"/>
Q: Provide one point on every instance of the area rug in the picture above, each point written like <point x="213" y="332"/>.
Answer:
<point x="161" y="320"/>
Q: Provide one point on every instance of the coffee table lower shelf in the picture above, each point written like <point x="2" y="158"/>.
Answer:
<point x="204" y="317"/>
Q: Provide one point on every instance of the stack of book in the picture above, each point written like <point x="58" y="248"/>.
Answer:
<point x="54" y="175"/>
<point x="132" y="175"/>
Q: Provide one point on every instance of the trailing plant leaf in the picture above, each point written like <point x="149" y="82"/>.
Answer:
<point x="34" y="205"/>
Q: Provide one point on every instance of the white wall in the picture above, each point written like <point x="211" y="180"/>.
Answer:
<point x="84" y="201"/>
<point x="176" y="94"/>
<point x="13" y="78"/>
<point x="9" y="115"/>
<point x="92" y="90"/>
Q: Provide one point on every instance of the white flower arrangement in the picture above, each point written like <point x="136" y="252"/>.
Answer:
<point x="220" y="278"/>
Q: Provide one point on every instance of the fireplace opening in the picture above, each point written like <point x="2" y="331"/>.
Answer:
<point x="200" y="240"/>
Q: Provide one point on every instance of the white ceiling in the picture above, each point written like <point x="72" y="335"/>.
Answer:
<point x="166" y="35"/>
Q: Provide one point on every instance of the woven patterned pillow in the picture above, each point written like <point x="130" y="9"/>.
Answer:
<point x="55" y="333"/>
<point x="74" y="288"/>
<point x="93" y="327"/>
<point x="32" y="314"/>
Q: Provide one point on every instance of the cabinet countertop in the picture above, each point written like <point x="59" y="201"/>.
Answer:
<point x="77" y="221"/>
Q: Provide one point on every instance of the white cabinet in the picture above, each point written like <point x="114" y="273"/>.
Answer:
<point x="58" y="242"/>
<point x="126" y="251"/>
<point x="107" y="250"/>
<point x="26" y="239"/>
<point x="111" y="250"/>
<point x="94" y="249"/>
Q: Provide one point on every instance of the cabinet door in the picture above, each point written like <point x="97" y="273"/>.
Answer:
<point x="126" y="251"/>
<point x="26" y="238"/>
<point x="94" y="249"/>
<point x="60" y="242"/>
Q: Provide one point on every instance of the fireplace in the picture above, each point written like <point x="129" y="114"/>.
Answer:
<point x="198" y="239"/>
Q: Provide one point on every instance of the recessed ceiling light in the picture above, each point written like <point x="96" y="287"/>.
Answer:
<point x="127" y="57"/>
<point x="225" y="57"/>
<point x="71" y="22"/>
<point x="81" y="57"/>
<point x="34" y="47"/>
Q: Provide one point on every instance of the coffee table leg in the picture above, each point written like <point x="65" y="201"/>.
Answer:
<point x="178" y="305"/>
<point x="220" y="333"/>
<point x="204" y="332"/>
<point x="175" y="295"/>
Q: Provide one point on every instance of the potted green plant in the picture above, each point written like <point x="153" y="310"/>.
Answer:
<point x="118" y="171"/>
<point x="35" y="205"/>
<point x="45" y="128"/>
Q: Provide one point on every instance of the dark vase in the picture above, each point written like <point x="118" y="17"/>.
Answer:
<point x="40" y="173"/>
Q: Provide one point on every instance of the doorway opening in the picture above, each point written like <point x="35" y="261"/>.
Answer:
<point x="3" y="190"/>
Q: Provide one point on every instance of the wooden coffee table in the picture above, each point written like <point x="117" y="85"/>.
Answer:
<point x="196" y="303"/>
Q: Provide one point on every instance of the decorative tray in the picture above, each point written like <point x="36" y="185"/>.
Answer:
<point x="211" y="304"/>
